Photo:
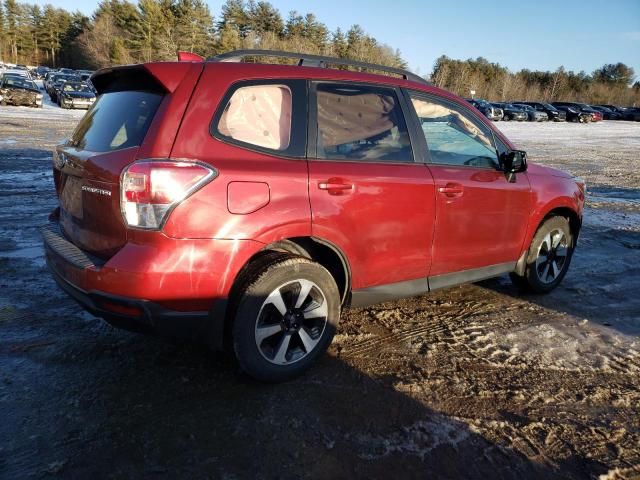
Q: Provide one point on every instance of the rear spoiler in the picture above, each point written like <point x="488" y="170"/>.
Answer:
<point x="189" y="57"/>
<point x="161" y="76"/>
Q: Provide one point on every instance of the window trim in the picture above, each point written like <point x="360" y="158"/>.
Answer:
<point x="430" y="97"/>
<point x="312" y="124"/>
<point x="298" y="138"/>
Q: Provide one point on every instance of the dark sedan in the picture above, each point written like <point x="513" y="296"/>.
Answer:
<point x="19" y="91"/>
<point x="552" y="112"/>
<point x="607" y="113"/>
<point x="533" y="114"/>
<point x="510" y="112"/>
<point x="76" y="95"/>
<point x="596" y="116"/>
<point x="574" y="114"/>
<point x="488" y="110"/>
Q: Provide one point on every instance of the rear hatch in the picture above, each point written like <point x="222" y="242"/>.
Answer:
<point x="87" y="167"/>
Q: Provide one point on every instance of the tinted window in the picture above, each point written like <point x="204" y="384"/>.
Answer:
<point x="116" y="120"/>
<point x="360" y="123"/>
<point x="453" y="136"/>
<point x="259" y="115"/>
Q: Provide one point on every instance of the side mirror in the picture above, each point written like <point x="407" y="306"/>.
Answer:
<point x="514" y="161"/>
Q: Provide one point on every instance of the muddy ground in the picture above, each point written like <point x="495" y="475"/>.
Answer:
<point x="471" y="382"/>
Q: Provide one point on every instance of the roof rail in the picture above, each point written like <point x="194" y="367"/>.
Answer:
<point x="308" y="60"/>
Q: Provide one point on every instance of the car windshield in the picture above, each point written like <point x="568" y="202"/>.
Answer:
<point x="549" y="107"/>
<point x="76" y="87"/>
<point x="18" y="82"/>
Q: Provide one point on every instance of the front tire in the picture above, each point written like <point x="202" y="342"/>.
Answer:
<point x="286" y="316"/>
<point x="548" y="257"/>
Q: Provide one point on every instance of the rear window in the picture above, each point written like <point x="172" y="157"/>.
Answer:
<point x="116" y="120"/>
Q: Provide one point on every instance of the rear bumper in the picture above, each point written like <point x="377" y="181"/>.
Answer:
<point x="172" y="287"/>
<point x="152" y="317"/>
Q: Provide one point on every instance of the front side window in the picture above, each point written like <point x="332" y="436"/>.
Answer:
<point x="454" y="137"/>
<point x="259" y="115"/>
<point x="362" y="123"/>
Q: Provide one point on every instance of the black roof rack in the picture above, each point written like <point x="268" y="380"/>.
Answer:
<point x="314" y="61"/>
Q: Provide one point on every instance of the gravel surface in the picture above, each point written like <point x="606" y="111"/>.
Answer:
<point x="470" y="382"/>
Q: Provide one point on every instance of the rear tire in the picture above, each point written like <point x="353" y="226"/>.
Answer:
<point x="287" y="309"/>
<point x="548" y="258"/>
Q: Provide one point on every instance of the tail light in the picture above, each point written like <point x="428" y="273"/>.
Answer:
<point x="150" y="189"/>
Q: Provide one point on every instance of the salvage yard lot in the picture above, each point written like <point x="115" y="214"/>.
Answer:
<point x="474" y="381"/>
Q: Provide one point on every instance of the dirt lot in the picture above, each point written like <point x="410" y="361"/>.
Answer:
<point x="471" y="382"/>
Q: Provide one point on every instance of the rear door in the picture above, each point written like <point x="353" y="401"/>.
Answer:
<point x="481" y="213"/>
<point x="368" y="195"/>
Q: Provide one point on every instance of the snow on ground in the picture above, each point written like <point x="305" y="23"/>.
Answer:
<point x="476" y="381"/>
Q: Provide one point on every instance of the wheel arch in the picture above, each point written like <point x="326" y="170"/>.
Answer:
<point x="575" y="224"/>
<point x="317" y="249"/>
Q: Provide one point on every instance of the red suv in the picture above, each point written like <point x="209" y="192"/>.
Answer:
<point x="247" y="204"/>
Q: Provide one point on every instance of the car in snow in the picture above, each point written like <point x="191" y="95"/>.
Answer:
<point x="533" y="115"/>
<point x="488" y="110"/>
<point x="56" y="83"/>
<point x="510" y="112"/>
<point x="17" y="90"/>
<point x="246" y="205"/>
<point x="76" y="95"/>
<point x="595" y="115"/>
<point x="607" y="113"/>
<point x="552" y="112"/>
<point x="573" y="114"/>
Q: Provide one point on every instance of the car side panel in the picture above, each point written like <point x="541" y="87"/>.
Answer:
<point x="550" y="192"/>
<point x="206" y="215"/>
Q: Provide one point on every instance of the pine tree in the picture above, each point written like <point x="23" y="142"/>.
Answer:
<point x="12" y="11"/>
<point x="193" y="26"/>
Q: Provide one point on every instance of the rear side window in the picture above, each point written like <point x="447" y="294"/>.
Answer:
<point x="259" y="115"/>
<point x="116" y="120"/>
<point x="362" y="123"/>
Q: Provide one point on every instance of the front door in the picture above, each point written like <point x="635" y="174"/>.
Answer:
<point x="481" y="212"/>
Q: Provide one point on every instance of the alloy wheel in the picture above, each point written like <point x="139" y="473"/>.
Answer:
<point x="291" y="322"/>
<point x="552" y="256"/>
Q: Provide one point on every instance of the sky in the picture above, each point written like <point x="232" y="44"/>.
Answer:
<point x="533" y="34"/>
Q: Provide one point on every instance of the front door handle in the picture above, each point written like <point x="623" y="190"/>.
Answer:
<point x="451" y="190"/>
<point x="335" y="186"/>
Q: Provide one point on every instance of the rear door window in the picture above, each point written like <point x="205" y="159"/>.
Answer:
<point x="116" y="120"/>
<point x="360" y="123"/>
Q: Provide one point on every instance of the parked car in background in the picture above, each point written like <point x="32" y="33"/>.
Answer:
<point x="630" y="113"/>
<point x="56" y="85"/>
<point x="533" y="115"/>
<point x="76" y="95"/>
<point x="552" y="112"/>
<point x="596" y="116"/>
<point x="574" y="114"/>
<point x="17" y="72"/>
<point x="176" y="214"/>
<point x="607" y="113"/>
<point x="510" y="112"/>
<point x="18" y="90"/>
<point x="40" y="72"/>
<point x="488" y="110"/>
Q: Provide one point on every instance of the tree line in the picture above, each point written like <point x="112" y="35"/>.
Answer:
<point x="610" y="84"/>
<point x="120" y="32"/>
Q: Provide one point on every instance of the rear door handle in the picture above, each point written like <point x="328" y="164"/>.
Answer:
<point x="335" y="186"/>
<point x="452" y="190"/>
